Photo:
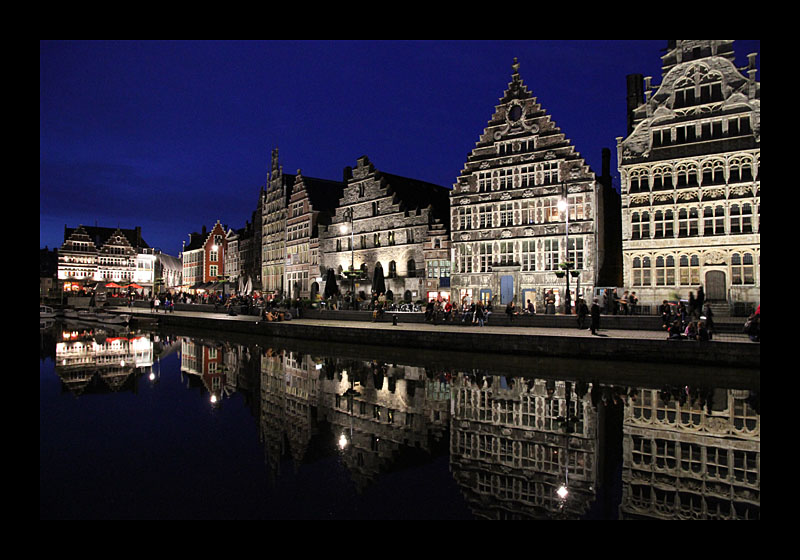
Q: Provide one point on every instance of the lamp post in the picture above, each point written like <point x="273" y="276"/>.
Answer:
<point x="343" y="228"/>
<point x="563" y="206"/>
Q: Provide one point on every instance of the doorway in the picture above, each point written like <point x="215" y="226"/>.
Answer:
<point x="506" y="289"/>
<point x="716" y="289"/>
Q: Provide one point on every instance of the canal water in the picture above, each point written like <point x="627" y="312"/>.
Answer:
<point x="194" y="425"/>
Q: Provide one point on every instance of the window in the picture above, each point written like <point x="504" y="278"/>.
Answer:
<point x="485" y="253"/>
<point x="641" y="271"/>
<point x="551" y="249"/>
<point x="645" y="225"/>
<point x="714" y="220"/>
<point x="741" y="218"/>
<point x="577" y="206"/>
<point x="549" y="172"/>
<point x="665" y="271"/>
<point x="528" y="254"/>
<point x="526" y="176"/>
<point x="464" y="218"/>
<point x="550" y="206"/>
<point x="484" y="181"/>
<point x="689" y="270"/>
<point x="464" y="257"/>
<point x="506" y="214"/>
<point x="485" y="217"/>
<point x="528" y="211"/>
<point x="506" y="254"/>
<point x="742" y="269"/>
<point x="576" y="254"/>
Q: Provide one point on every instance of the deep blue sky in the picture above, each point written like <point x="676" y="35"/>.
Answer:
<point x="172" y="135"/>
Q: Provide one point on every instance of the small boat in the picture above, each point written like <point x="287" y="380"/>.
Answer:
<point x="46" y="312"/>
<point x="113" y="318"/>
<point x="70" y="313"/>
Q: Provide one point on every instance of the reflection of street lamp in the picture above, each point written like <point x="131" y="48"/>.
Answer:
<point x="349" y="394"/>
<point x="567" y="422"/>
<point x="563" y="206"/>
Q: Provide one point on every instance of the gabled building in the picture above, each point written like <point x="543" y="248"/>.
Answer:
<point x="690" y="178"/>
<point x="275" y="200"/>
<point x="382" y="220"/>
<point x="509" y="236"/>
<point x="312" y="203"/>
<point x="204" y="259"/>
<point x="91" y="255"/>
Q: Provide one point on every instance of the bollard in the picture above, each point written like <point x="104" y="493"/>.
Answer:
<point x="394" y="320"/>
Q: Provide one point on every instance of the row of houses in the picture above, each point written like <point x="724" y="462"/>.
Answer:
<point x="527" y="218"/>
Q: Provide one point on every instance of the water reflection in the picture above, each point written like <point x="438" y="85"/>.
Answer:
<point x="98" y="360"/>
<point x="563" y="443"/>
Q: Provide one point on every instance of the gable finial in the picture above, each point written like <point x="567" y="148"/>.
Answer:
<point x="515" y="66"/>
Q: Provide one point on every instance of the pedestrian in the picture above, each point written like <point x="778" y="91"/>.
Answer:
<point x="479" y="313"/>
<point x="632" y="302"/>
<point x="701" y="298"/>
<point x="703" y="333"/>
<point x="709" y="319"/>
<point x="666" y="312"/>
<point x="624" y="303"/>
<point x="156" y="303"/>
<point x="550" y="303"/>
<point x="510" y="311"/>
<point x="152" y="304"/>
<point x="583" y="311"/>
<point x="595" y="312"/>
<point x="753" y="327"/>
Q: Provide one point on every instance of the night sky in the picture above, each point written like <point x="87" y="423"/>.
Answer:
<point x="174" y="135"/>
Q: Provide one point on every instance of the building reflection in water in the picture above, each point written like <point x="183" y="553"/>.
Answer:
<point x="692" y="453"/>
<point x="520" y="446"/>
<point x="97" y="360"/>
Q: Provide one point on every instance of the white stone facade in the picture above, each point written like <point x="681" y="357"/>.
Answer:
<point x="690" y="180"/>
<point x="508" y="235"/>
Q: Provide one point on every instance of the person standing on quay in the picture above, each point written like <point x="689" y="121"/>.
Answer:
<point x="595" y="317"/>
<point x="583" y="311"/>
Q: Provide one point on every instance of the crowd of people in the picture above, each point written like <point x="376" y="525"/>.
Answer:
<point x="684" y="320"/>
<point x="694" y="321"/>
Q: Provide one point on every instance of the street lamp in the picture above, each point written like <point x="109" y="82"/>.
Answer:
<point x="563" y="206"/>
<point x="349" y="216"/>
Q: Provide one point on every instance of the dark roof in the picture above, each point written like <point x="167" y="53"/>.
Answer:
<point x="100" y="235"/>
<point x="196" y="241"/>
<point x="323" y="193"/>
<point x="420" y="194"/>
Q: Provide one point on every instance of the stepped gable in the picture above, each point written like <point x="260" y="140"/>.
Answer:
<point x="519" y="118"/>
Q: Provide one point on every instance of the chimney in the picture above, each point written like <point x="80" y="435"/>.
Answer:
<point x="635" y="96"/>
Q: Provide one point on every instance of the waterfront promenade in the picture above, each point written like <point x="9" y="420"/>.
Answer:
<point x="644" y="342"/>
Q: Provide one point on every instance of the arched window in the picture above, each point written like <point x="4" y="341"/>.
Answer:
<point x="411" y="267"/>
<point x="392" y="269"/>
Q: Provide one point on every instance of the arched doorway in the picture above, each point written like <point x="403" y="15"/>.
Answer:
<point x="716" y="289"/>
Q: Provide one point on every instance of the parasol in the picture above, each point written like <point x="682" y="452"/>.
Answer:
<point x="331" y="289"/>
